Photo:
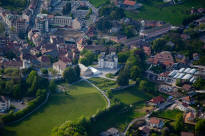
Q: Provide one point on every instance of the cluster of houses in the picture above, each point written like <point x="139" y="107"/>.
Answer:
<point x="4" y="104"/>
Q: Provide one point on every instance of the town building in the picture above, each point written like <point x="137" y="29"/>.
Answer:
<point x="155" y="32"/>
<point x="164" y="58"/>
<point x="41" y="22"/>
<point x="111" y="132"/>
<point x="60" y="66"/>
<point x="156" y="122"/>
<point x="187" y="134"/>
<point x="157" y="100"/>
<point x="109" y="61"/>
<point x="4" y="104"/>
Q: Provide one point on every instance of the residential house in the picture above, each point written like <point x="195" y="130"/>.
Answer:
<point x="189" y="117"/>
<point x="156" y="100"/>
<point x="4" y="104"/>
<point x="187" y="100"/>
<point x="182" y="107"/>
<point x="164" y="77"/>
<point x="156" y="122"/>
<point x="195" y="56"/>
<point x="185" y="36"/>
<point x="186" y="87"/>
<point x="180" y="58"/>
<point x="164" y="58"/>
<point x="118" y="39"/>
<point x="60" y="66"/>
<point x="187" y="134"/>
<point x="45" y="61"/>
<point x="151" y="23"/>
<point x="147" y="50"/>
<point x="155" y="32"/>
<point x="130" y="5"/>
<point x="145" y="130"/>
<point x="111" y="132"/>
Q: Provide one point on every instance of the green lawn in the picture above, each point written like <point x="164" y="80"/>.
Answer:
<point x="118" y="118"/>
<point x="153" y="10"/>
<point x="83" y="100"/>
<point x="98" y="3"/>
<point x="103" y="83"/>
<point x="169" y="114"/>
<point x="131" y="96"/>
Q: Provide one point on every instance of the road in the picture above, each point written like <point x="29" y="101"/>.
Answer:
<point x="101" y="91"/>
<point x="131" y="123"/>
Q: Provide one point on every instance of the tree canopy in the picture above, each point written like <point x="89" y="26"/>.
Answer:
<point x="69" y="129"/>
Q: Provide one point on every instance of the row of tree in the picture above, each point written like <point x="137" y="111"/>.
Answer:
<point x="18" y="87"/>
<point x="134" y="67"/>
<point x="71" y="74"/>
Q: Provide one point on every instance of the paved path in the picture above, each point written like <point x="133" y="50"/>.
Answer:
<point x="131" y="123"/>
<point x="102" y="92"/>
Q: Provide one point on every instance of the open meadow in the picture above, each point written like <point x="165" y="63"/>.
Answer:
<point x="81" y="100"/>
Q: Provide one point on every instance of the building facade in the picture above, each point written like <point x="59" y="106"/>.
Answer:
<point x="109" y="61"/>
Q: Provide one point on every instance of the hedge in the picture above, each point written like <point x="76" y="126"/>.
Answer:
<point x="19" y="114"/>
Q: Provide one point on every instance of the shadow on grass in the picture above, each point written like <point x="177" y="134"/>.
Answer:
<point x="6" y="132"/>
<point x="51" y="101"/>
<point x="113" y="118"/>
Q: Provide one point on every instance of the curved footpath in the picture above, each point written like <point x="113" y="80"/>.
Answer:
<point x="131" y="123"/>
<point x="101" y="91"/>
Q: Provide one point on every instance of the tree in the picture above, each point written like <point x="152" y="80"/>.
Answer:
<point x="32" y="82"/>
<point x="41" y="92"/>
<point x="77" y="71"/>
<point x="44" y="71"/>
<point x="135" y="72"/>
<point x="103" y="25"/>
<point x="158" y="45"/>
<point x="143" y="85"/>
<point x="70" y="75"/>
<point x="66" y="9"/>
<point x="52" y="86"/>
<point x="69" y="129"/>
<point x="123" y="56"/>
<point x="179" y="123"/>
<point x="199" y="128"/>
<point x="87" y="57"/>
<point x="123" y="78"/>
<point x="199" y="84"/>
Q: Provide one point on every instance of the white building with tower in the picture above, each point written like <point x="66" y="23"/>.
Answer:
<point x="109" y="61"/>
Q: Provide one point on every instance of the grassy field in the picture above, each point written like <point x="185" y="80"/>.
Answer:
<point x="153" y="10"/>
<point x="83" y="100"/>
<point x="98" y="3"/>
<point x="119" y="119"/>
<point x="169" y="114"/>
<point x="116" y="118"/>
<point x="132" y="96"/>
<point x="103" y="83"/>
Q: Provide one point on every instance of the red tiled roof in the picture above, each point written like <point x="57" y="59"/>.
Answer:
<point x="186" y="134"/>
<point x="189" y="115"/>
<point x="187" y="98"/>
<point x="130" y="3"/>
<point x="157" y="99"/>
<point x="186" y="87"/>
<point x="154" y="120"/>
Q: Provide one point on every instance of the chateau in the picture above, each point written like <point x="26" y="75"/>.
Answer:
<point x="108" y="61"/>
